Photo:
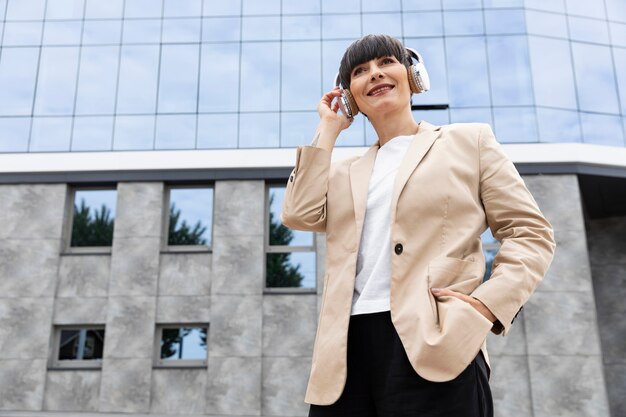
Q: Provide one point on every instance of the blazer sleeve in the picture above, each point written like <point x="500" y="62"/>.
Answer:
<point x="526" y="236"/>
<point x="304" y="205"/>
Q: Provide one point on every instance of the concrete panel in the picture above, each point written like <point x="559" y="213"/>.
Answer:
<point x="613" y="336"/>
<point x="510" y="388"/>
<point x="134" y="266"/>
<point x="21" y="384"/>
<point x="84" y="276"/>
<point x="284" y="386"/>
<point x="234" y="386"/>
<point x="183" y="309"/>
<point x="514" y="343"/>
<point x="320" y="260"/>
<point x="558" y="197"/>
<point x="185" y="274"/>
<point x="570" y="270"/>
<point x="568" y="386"/>
<point x="289" y="324"/>
<point x="28" y="267"/>
<point x="139" y="209"/>
<point x="238" y="265"/>
<point x="606" y="241"/>
<point x="72" y="391"/>
<point x="130" y="327"/>
<point x="178" y="391"/>
<point x="615" y="375"/>
<point x="125" y="386"/>
<point x="239" y="208"/>
<point x="25" y="329"/>
<point x="92" y="310"/>
<point x="609" y="284"/>
<point x="561" y="324"/>
<point x="236" y="323"/>
<point x="32" y="211"/>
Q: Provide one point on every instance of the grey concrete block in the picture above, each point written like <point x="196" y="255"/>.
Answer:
<point x="289" y="324"/>
<point x="130" y="327"/>
<point x="606" y="241"/>
<point x="185" y="274"/>
<point x="84" y="276"/>
<point x="125" y="386"/>
<point x="238" y="265"/>
<point x="615" y="375"/>
<point x="234" y="386"/>
<point x="139" y="209"/>
<point x="72" y="391"/>
<point x="284" y="386"/>
<point x="561" y="323"/>
<point x="570" y="269"/>
<point x="236" y="326"/>
<point x="183" y="309"/>
<point x="239" y="208"/>
<point x="32" y="211"/>
<point x="22" y="383"/>
<point x="92" y="310"/>
<point x="178" y="391"/>
<point x="558" y="198"/>
<point x="28" y="267"/>
<point x="568" y="386"/>
<point x="134" y="266"/>
<point x="613" y="336"/>
<point x="25" y="330"/>
<point x="514" y="343"/>
<point x="510" y="387"/>
<point x="609" y="285"/>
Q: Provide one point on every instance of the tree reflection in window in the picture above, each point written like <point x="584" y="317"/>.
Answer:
<point x="190" y="216"/>
<point x="184" y="234"/>
<point x="184" y="343"/>
<point x="93" y="226"/>
<point x="81" y="344"/>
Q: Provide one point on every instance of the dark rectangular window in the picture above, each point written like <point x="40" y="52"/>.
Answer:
<point x="182" y="345"/>
<point x="78" y="346"/>
<point x="93" y="215"/>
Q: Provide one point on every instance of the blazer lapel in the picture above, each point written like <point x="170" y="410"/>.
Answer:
<point x="360" y="173"/>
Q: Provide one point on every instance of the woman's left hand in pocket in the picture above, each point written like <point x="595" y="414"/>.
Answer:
<point x="474" y="302"/>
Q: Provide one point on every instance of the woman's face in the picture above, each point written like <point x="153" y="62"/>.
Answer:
<point x="380" y="85"/>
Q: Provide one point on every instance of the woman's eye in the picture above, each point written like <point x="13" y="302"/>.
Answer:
<point x="358" y="70"/>
<point x="387" y="60"/>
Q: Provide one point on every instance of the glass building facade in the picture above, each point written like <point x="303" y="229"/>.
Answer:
<point x="118" y="75"/>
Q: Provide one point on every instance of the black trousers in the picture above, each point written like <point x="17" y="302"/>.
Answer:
<point x="382" y="383"/>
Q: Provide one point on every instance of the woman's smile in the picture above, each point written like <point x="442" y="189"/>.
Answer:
<point x="380" y="89"/>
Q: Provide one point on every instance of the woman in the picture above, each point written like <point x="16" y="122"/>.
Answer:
<point x="405" y="313"/>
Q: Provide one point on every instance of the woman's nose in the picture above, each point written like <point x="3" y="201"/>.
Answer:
<point x="376" y="73"/>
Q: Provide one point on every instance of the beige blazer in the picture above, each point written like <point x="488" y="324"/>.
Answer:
<point x="453" y="183"/>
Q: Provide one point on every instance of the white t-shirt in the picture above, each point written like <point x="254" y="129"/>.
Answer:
<point x="373" y="266"/>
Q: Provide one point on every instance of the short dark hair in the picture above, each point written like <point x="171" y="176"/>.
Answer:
<point x="367" y="48"/>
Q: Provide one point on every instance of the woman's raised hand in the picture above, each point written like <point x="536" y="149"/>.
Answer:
<point x="329" y="111"/>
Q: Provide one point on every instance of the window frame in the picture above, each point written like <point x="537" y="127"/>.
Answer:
<point x="179" y="363"/>
<point x="55" y="363"/>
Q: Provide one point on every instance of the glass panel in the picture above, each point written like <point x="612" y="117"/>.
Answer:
<point x="355" y="134"/>
<point x="436" y="117"/>
<point x="51" y="134"/>
<point x="57" y="80"/>
<point x="184" y="343"/>
<point x="602" y="129"/>
<point x="143" y="8"/>
<point x="94" y="344"/>
<point x="467" y="72"/>
<point x="260" y="28"/>
<point x="370" y="134"/>
<point x="261" y="7"/>
<point x="381" y="6"/>
<point x="508" y="70"/>
<point x="181" y="30"/>
<point x="258" y="130"/>
<point x="190" y="216"/>
<point x="341" y="26"/>
<point x="595" y="79"/>
<point x="278" y="233"/>
<point x="301" y="27"/>
<point x="462" y="4"/>
<point x="553" y="78"/>
<point x="137" y="87"/>
<point x="98" y="32"/>
<point x="69" y="344"/>
<point x="586" y="8"/>
<point x="490" y="255"/>
<point x="588" y="30"/>
<point x="81" y="344"/>
<point x="415" y="5"/>
<point x="178" y="83"/>
<point x="217" y="131"/>
<point x="463" y="23"/>
<point x="618" y="34"/>
<point x="22" y="34"/>
<point x="62" y="33"/>
<point x="221" y="8"/>
<point x="549" y="24"/>
<point x="619" y="55"/>
<point x="345" y="6"/>
<point x="15" y="132"/>
<point x="18" y="72"/>
<point x="291" y="269"/>
<point x="176" y="131"/>
<point x="260" y="76"/>
<point x="219" y="77"/>
<point x="389" y="23"/>
<point x="558" y="125"/>
<point x="25" y="10"/>
<point x="300" y="92"/>
<point x="98" y="9"/>
<point x="296" y="129"/>
<point x="550" y="6"/>
<point x="332" y="51"/>
<point x="616" y="10"/>
<point x="515" y="124"/>
<point x="487" y="237"/>
<point x="471" y="115"/>
<point x="221" y="29"/>
<point x="504" y="21"/>
<point x="182" y="8"/>
<point x="295" y="7"/>
<point x="93" y="217"/>
<point x="64" y="9"/>
<point x="92" y="133"/>
<point x="503" y="3"/>
<point x="432" y="52"/>
<point x="133" y="133"/>
<point x="142" y="31"/>
<point x="423" y="24"/>
<point x="97" y="80"/>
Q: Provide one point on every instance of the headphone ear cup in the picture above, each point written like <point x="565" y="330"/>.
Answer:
<point x="348" y="104"/>
<point x="418" y="78"/>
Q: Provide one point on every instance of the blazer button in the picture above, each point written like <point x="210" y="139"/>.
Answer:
<point x="291" y="178"/>
<point x="398" y="249"/>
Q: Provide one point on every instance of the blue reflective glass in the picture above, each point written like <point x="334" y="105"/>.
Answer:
<point x="92" y="133"/>
<point x="258" y="130"/>
<point x="15" y="132"/>
<point x="616" y="10"/>
<point x="137" y="87"/>
<point x="62" y="33"/>
<point x="260" y="28"/>
<point x="93" y="218"/>
<point x="296" y="7"/>
<point x="133" y="133"/>
<point x="50" y="134"/>
<point x="588" y="30"/>
<point x="296" y="128"/>
<point x="381" y="6"/>
<point x="549" y="24"/>
<point x="388" y="23"/>
<point x="221" y="29"/>
<point x="98" y="32"/>
<point x="300" y="92"/>
<point x="181" y="30"/>
<point x="602" y="129"/>
<point x="553" y="77"/>
<point x="260" y="76"/>
<point x="64" y="9"/>
<point x="487" y="238"/>
<point x="370" y="134"/>
<point x="423" y="24"/>
<point x="217" y="131"/>
<point x="182" y="8"/>
<point x="143" y="8"/>
<point x="467" y="72"/>
<point x="337" y="26"/>
<point x="515" y="124"/>
<point x="416" y="5"/>
<point x="142" y="31"/>
<point x="97" y="80"/>
<point x="296" y="237"/>
<point x="25" y="10"/>
<point x="96" y="199"/>
<point x="192" y="208"/>
<point x="463" y="22"/>
<point x="184" y="344"/>
<point x="462" y="4"/>
<point x="504" y="21"/>
<point x="436" y="117"/>
<point x="22" y="34"/>
<point x="345" y="6"/>
<point x="178" y="78"/>
<point x="221" y="8"/>
<point x="290" y="270"/>
<point x="355" y="134"/>
<point x="595" y="80"/>
<point x="332" y="51"/>
<point x="261" y="7"/>
<point x="175" y="131"/>
<point x="618" y="34"/>
<point x="471" y="115"/>
<point x="509" y="70"/>
<point x="549" y="6"/>
<point x="98" y="9"/>
<point x="219" y="77"/>
<point x="586" y="8"/>
<point x="558" y="125"/>
<point x="432" y="52"/>
<point x="18" y="74"/>
<point x="56" y="82"/>
<point x="301" y="27"/>
<point x="497" y="4"/>
<point x="619" y="55"/>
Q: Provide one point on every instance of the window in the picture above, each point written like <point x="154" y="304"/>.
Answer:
<point x="181" y="345"/>
<point x="78" y="346"/>
<point x="290" y="254"/>
<point x="92" y="218"/>
<point x="189" y="222"/>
